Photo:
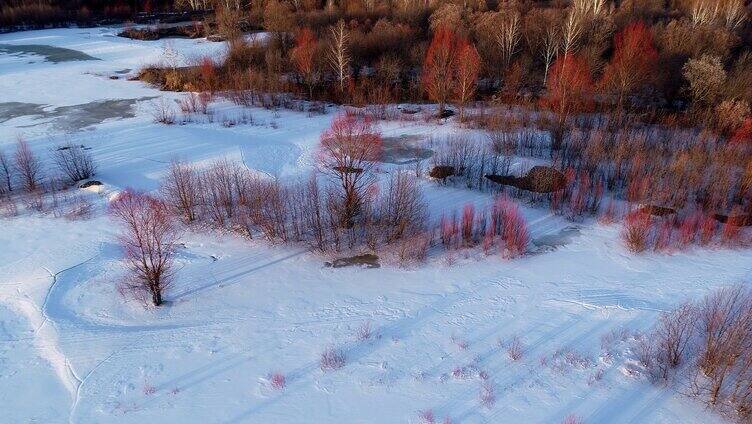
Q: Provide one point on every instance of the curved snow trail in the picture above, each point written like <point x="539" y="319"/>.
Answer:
<point x="46" y="338"/>
<point x="57" y="312"/>
<point x="46" y="341"/>
<point x="54" y="312"/>
<point x="54" y="283"/>
<point x="56" y="357"/>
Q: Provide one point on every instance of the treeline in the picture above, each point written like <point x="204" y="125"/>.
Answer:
<point x="642" y="55"/>
<point x="30" y="14"/>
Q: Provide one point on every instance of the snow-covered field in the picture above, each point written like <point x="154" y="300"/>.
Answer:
<point x="72" y="349"/>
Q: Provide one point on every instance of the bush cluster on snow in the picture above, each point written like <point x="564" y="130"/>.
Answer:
<point x="706" y="348"/>
<point x="26" y="179"/>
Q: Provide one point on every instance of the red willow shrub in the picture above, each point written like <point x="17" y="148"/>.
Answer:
<point x="664" y="235"/>
<point x="608" y="215"/>
<point x="208" y="72"/>
<point x="743" y="134"/>
<point x="468" y="222"/>
<point x="277" y="381"/>
<point x="507" y="223"/>
<point x="636" y="230"/>
<point x="503" y="227"/>
<point x="514" y="233"/>
<point x="448" y="228"/>
<point x="707" y="229"/>
<point x="640" y="230"/>
<point x="731" y="230"/>
<point x="489" y="238"/>
<point x="332" y="359"/>
<point x="688" y="228"/>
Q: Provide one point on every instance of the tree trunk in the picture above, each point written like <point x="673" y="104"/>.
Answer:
<point x="156" y="297"/>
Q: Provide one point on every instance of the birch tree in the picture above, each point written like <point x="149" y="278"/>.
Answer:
<point x="339" y="57"/>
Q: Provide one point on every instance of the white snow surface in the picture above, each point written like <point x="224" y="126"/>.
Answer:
<point x="72" y="349"/>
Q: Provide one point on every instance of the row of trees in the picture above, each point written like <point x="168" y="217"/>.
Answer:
<point x="23" y="171"/>
<point x="388" y="51"/>
<point x="22" y="14"/>
<point x="341" y="207"/>
<point x="393" y="221"/>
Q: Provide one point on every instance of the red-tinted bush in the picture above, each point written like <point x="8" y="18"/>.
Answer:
<point x="636" y="231"/>
<point x="277" y="381"/>
<point x="708" y="226"/>
<point x="664" y="235"/>
<point x="468" y="222"/>
<point x="448" y="228"/>
<point x="331" y="360"/>
<point x="688" y="228"/>
<point x="514" y="232"/>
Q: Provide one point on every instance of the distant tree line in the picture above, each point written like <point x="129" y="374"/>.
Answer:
<point x="630" y="55"/>
<point x="29" y="14"/>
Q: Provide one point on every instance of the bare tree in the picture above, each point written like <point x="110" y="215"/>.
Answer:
<point x="316" y="213"/>
<point x="163" y="112"/>
<point x="148" y="240"/>
<point x="192" y="4"/>
<point x="506" y="32"/>
<point x="571" y="31"/>
<point x="503" y="32"/>
<point x="402" y="209"/>
<point x="667" y="346"/>
<point x="734" y="14"/>
<point x="303" y="56"/>
<point x="543" y="33"/>
<point x="273" y="210"/>
<point x="339" y="56"/>
<point x="74" y="162"/>
<point x="466" y="75"/>
<point x="439" y="67"/>
<point x="28" y="166"/>
<point x="730" y="14"/>
<point x="550" y="49"/>
<point x="221" y="188"/>
<point x="713" y="338"/>
<point x="589" y="7"/>
<point x="7" y="172"/>
<point x="725" y="325"/>
<point x="349" y="150"/>
<point x="182" y="191"/>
